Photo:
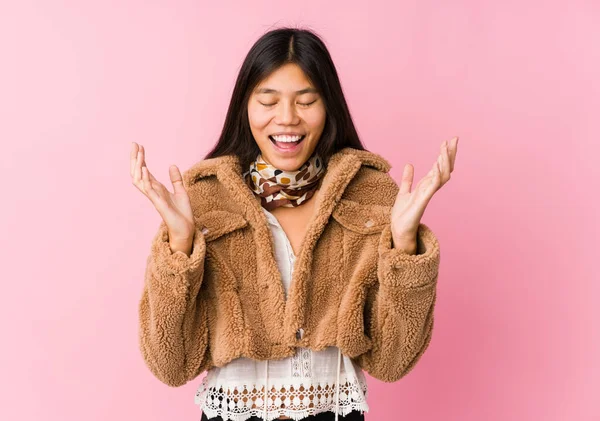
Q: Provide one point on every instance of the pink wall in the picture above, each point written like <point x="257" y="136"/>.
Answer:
<point x="515" y="337"/>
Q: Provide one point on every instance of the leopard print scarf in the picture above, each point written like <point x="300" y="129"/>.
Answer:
<point x="284" y="188"/>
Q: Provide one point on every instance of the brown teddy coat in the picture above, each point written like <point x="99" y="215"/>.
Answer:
<point x="350" y="287"/>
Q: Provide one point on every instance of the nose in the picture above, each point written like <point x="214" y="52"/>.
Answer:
<point x="286" y="114"/>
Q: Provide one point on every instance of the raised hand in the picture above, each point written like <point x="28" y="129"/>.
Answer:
<point x="174" y="208"/>
<point x="409" y="206"/>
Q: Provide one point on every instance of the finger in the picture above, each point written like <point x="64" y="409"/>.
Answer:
<point x="133" y="157"/>
<point x="176" y="180"/>
<point x="452" y="147"/>
<point x="407" y="179"/>
<point x="137" y="173"/>
<point x="436" y="178"/>
<point x="144" y="164"/>
<point x="437" y="170"/>
<point x="429" y="177"/>
<point x="148" y="188"/>
<point x="150" y="175"/>
<point x="156" y="185"/>
<point x="440" y="167"/>
<point x="434" y="175"/>
<point x="445" y="163"/>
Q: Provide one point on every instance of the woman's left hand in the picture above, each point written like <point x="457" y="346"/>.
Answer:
<point x="409" y="206"/>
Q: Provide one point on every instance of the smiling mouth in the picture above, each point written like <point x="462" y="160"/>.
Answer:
<point x="286" y="145"/>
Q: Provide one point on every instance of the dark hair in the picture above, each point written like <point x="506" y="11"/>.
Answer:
<point x="272" y="50"/>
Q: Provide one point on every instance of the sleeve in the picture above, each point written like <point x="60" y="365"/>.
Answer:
<point x="399" y="307"/>
<point x="173" y="332"/>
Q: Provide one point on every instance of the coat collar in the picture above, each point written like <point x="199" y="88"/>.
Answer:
<point x="343" y="165"/>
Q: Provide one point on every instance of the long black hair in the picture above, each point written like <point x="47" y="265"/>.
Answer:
<point x="272" y="50"/>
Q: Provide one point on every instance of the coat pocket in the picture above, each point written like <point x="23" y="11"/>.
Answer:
<point x="361" y="218"/>
<point x="217" y="223"/>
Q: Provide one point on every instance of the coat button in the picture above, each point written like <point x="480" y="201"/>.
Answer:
<point x="299" y="334"/>
<point x="369" y="223"/>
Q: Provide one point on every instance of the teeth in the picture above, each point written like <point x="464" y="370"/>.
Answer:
<point x="287" y="138"/>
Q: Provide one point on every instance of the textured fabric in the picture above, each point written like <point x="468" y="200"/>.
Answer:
<point x="350" y="288"/>
<point x="304" y="384"/>
<point x="284" y="188"/>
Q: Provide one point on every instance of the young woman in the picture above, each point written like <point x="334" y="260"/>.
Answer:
<point x="288" y="260"/>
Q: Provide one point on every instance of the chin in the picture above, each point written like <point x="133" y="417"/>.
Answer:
<point x="285" y="164"/>
<point x="292" y="162"/>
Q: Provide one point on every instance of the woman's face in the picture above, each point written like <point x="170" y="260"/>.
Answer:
<point x="287" y="116"/>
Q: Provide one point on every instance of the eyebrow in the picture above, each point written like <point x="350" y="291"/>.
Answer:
<point x="273" y="91"/>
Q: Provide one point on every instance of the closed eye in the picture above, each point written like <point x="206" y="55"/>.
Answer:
<point x="300" y="103"/>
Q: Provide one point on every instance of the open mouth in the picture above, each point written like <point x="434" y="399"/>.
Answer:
<point x="286" y="144"/>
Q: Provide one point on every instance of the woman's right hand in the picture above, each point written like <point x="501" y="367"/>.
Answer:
<point x="174" y="208"/>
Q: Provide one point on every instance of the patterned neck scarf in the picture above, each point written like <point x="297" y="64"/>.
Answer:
<point x="284" y="188"/>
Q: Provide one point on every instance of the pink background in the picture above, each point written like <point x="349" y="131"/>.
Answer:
<point x="516" y="334"/>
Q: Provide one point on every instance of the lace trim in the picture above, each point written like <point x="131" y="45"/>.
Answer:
<point x="301" y="363"/>
<point x="294" y="402"/>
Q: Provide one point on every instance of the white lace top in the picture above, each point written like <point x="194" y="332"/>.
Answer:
<point x="304" y="384"/>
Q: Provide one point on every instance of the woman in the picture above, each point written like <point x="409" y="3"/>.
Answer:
<point x="288" y="261"/>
